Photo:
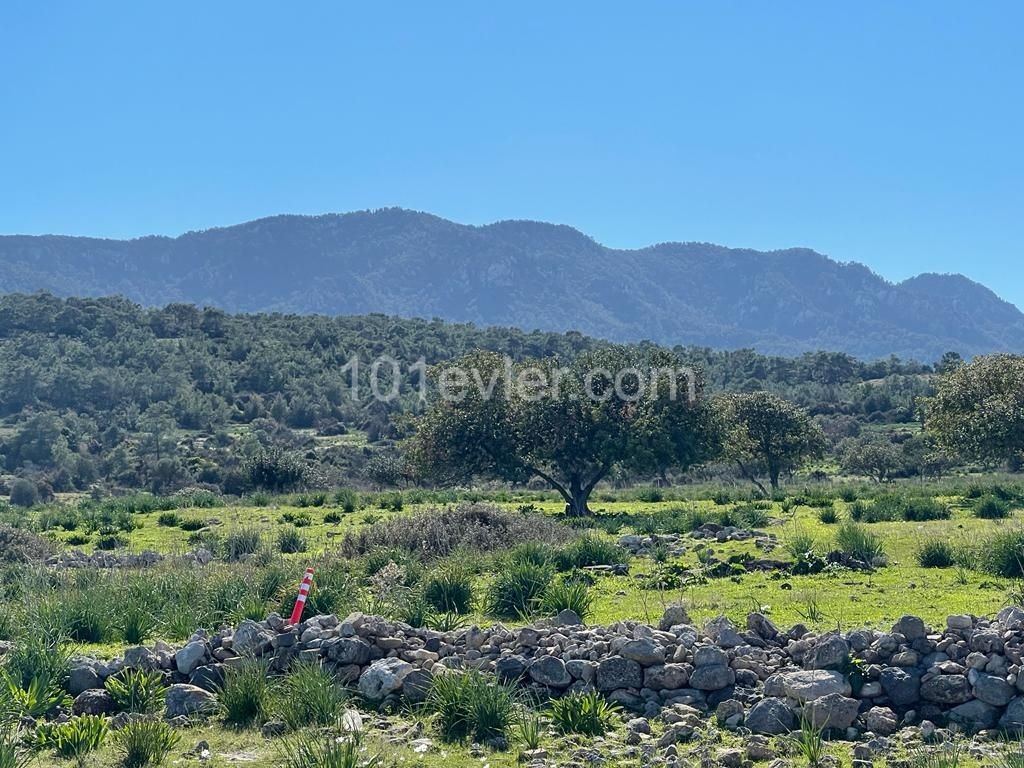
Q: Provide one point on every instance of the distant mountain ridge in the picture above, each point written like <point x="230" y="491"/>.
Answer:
<point x="531" y="275"/>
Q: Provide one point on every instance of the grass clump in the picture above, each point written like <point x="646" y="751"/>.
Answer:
<point x="242" y="542"/>
<point x="137" y="690"/>
<point x="590" y="550"/>
<point x="290" y="542"/>
<point x="245" y="697"/>
<point x="310" y="695"/>
<point x="74" y="739"/>
<point x="936" y="553"/>
<point x="589" y="714"/>
<point x="322" y="750"/>
<point x="517" y="589"/>
<point x="450" y="589"/>
<point x="991" y="507"/>
<point x="828" y="515"/>
<point x="1003" y="554"/>
<point x="471" y="705"/>
<point x="857" y="541"/>
<point x="145" y="742"/>
<point x="568" y="594"/>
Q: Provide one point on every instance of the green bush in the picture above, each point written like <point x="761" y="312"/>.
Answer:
<point x="191" y="524"/>
<point x="290" y="542"/>
<point x="588" y="713"/>
<point x="800" y="542"/>
<point x="936" y="553"/>
<point x="1003" y="554"/>
<point x="40" y="697"/>
<point x="516" y="589"/>
<point x="857" y="541"/>
<point x="169" y="519"/>
<point x="35" y="657"/>
<point x="137" y="690"/>
<point x="991" y="507"/>
<point x="145" y="742"/>
<point x="588" y="551"/>
<point x="568" y="594"/>
<point x="298" y="519"/>
<point x="111" y="541"/>
<point x="73" y="739"/>
<point x="310" y="695"/>
<point x="828" y="515"/>
<point x="347" y="499"/>
<point x="450" y="589"/>
<point x="471" y="705"/>
<point x="245" y="697"/>
<point x="333" y="517"/>
<point x="919" y="509"/>
<point x="322" y="750"/>
<point x="242" y="542"/>
<point x="86" y="616"/>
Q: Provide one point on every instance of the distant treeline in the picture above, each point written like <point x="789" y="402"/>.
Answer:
<point x="105" y="393"/>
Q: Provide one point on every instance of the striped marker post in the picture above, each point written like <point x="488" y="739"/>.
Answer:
<point x="300" y="601"/>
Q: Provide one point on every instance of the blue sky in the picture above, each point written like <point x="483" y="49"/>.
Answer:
<point x="887" y="133"/>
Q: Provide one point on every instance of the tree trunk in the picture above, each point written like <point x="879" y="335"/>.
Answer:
<point x="576" y="506"/>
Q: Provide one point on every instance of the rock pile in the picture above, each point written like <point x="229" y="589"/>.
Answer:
<point x="864" y="682"/>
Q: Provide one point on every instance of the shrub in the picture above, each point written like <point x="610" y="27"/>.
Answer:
<point x="858" y="510"/>
<point x="169" y="519"/>
<point x="471" y="705"/>
<point x="333" y="517"/>
<point x="40" y="697"/>
<point x="310" y="696"/>
<point x="298" y="519"/>
<point x="800" y="542"/>
<point x="321" y="750"/>
<point x="242" y="542"/>
<point x="192" y="524"/>
<point x="290" y="542"/>
<point x="936" y="553"/>
<point x="828" y="515"/>
<point x="437" y="533"/>
<point x="37" y="658"/>
<point x="111" y="541"/>
<point x="991" y="507"/>
<point x="857" y="541"/>
<point x="450" y="589"/>
<point x="137" y="690"/>
<point x="75" y="738"/>
<point x="77" y="540"/>
<point x="1003" y="554"/>
<point x="585" y="713"/>
<point x="11" y="753"/>
<point x="918" y="509"/>
<point x="145" y="742"/>
<point x="590" y="550"/>
<point x="516" y="589"/>
<point x="136" y="622"/>
<point x="85" y="617"/>
<point x="24" y="493"/>
<point x="568" y="594"/>
<point x="245" y="696"/>
<point x="347" y="499"/>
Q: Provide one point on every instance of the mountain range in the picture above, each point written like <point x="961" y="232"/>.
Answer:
<point x="531" y="275"/>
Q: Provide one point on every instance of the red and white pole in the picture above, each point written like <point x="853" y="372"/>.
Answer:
<point x="300" y="601"/>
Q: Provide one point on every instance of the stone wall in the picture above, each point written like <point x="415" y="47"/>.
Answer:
<point x="965" y="674"/>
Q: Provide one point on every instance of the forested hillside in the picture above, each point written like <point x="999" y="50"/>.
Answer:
<point x="102" y="392"/>
<point x="529" y="275"/>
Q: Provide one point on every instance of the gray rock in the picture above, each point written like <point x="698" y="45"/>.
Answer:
<point x="190" y="657"/>
<point x="139" y="657"/>
<point x="83" y="677"/>
<point x="383" y="677"/>
<point x="901" y="686"/>
<point x="723" y="632"/>
<point x="95" y="701"/>
<point x="209" y="677"/>
<point x="674" y="616"/>
<point x="712" y="678"/>
<point x="510" y="668"/>
<point x="831" y="652"/>
<point x="185" y="700"/>
<point x="911" y="627"/>
<point x="350" y="650"/>
<point x="251" y="638"/>
<point x="881" y="721"/>
<point x="974" y="715"/>
<point x="666" y="677"/>
<point x="416" y="685"/>
<point x="770" y="717"/>
<point x="946" y="689"/>
<point x="807" y="685"/>
<point x="709" y="656"/>
<point x="729" y="714"/>
<point x="993" y="690"/>
<point x="550" y="671"/>
<point x="644" y="651"/>
<point x="1012" y="720"/>
<point x="567" y="618"/>
<point x="833" y="712"/>
<point x="618" y="672"/>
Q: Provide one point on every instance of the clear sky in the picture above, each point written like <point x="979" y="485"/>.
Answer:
<point x="885" y="132"/>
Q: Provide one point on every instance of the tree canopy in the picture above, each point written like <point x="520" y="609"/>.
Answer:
<point x="569" y="423"/>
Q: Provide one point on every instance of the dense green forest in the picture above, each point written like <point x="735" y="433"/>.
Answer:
<point x="102" y="394"/>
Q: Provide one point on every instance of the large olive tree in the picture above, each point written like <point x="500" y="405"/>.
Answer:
<point x="978" y="409"/>
<point x="766" y="435"/>
<point x="568" y="424"/>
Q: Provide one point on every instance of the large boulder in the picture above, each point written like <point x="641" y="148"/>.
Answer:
<point x="383" y="677"/>
<point x="190" y="657"/>
<point x="510" y="669"/>
<point x="974" y="715"/>
<point x="666" y="677"/>
<point x="771" y="717"/>
<point x="993" y="690"/>
<point x="618" y="672"/>
<point x="903" y="687"/>
<point x="251" y="638"/>
<point x="551" y="672"/>
<point x="811" y="684"/>
<point x="713" y="677"/>
<point x="644" y="651"/>
<point x="946" y="689"/>
<point x="83" y="676"/>
<point x="881" y="721"/>
<point x="186" y="700"/>
<point x="832" y="711"/>
<point x="95" y="701"/>
<point x="1012" y="720"/>
<point x="349" y="650"/>
<point x="831" y="652"/>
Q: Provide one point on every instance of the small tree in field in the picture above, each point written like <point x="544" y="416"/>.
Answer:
<point x="766" y="435"/>
<point x="874" y="457"/>
<point x="978" y="410"/>
<point x="568" y="425"/>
